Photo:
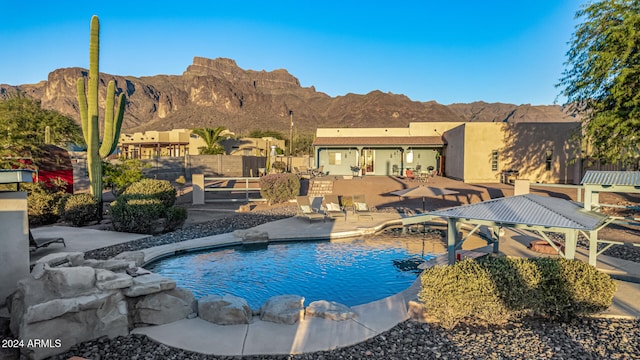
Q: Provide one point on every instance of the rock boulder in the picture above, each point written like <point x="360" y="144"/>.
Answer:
<point x="283" y="309"/>
<point x="330" y="310"/>
<point x="224" y="310"/>
<point x="163" y="308"/>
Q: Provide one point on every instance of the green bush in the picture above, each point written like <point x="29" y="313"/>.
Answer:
<point x="550" y="287"/>
<point x="176" y="216"/>
<point x="137" y="214"/>
<point x="118" y="175"/>
<point x="463" y="292"/>
<point x="279" y="166"/>
<point x="159" y="189"/>
<point x="42" y="208"/>
<point x="277" y="188"/>
<point x="79" y="209"/>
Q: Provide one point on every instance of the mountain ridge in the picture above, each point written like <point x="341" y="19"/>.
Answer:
<point x="216" y="92"/>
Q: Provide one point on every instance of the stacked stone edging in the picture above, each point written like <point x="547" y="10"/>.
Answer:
<point x="80" y="300"/>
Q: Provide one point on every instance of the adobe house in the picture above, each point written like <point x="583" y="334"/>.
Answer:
<point x="181" y="142"/>
<point x="474" y="152"/>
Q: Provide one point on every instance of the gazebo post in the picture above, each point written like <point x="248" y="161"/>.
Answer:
<point x="593" y="247"/>
<point x="452" y="239"/>
<point x="571" y="238"/>
<point x="495" y="236"/>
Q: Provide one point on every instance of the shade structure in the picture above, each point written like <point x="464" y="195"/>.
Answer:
<point x="423" y="191"/>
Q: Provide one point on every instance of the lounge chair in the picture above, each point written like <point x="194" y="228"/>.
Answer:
<point x="43" y="242"/>
<point x="361" y="208"/>
<point x="332" y="207"/>
<point x="306" y="210"/>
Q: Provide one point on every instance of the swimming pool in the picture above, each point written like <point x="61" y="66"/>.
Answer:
<point x="351" y="272"/>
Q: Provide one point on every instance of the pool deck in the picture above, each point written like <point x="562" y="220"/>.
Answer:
<point x="315" y="334"/>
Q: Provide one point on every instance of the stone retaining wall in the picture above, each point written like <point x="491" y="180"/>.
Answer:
<point x="68" y="300"/>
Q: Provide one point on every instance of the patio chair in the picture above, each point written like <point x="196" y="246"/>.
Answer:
<point x="361" y="208"/>
<point x="43" y="242"/>
<point x="306" y="210"/>
<point x="395" y="170"/>
<point x="319" y="171"/>
<point x="332" y="207"/>
<point x="409" y="174"/>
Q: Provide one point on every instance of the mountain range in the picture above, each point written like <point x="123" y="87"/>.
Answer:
<point x="216" y="92"/>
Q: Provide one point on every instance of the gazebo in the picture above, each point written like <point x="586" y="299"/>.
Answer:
<point x="535" y="213"/>
<point x="595" y="182"/>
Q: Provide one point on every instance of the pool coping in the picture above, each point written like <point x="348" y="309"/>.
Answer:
<point x="266" y="338"/>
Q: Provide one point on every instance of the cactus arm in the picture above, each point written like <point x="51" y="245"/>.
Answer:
<point x="82" y="105"/>
<point x="112" y="124"/>
<point x="107" y="134"/>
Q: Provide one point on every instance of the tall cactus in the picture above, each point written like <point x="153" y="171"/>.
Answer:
<point x="88" y="104"/>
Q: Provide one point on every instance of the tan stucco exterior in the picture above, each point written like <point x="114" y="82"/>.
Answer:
<point x="470" y="146"/>
<point x="180" y="142"/>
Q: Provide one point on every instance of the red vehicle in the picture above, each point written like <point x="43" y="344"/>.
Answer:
<point x="51" y="163"/>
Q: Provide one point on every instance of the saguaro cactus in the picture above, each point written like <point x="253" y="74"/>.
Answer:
<point x="88" y="103"/>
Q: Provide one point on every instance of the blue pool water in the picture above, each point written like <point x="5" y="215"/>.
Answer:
<point x="350" y="272"/>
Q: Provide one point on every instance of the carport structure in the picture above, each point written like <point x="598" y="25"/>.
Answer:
<point x="535" y="213"/>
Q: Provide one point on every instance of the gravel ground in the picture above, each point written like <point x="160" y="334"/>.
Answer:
<point x="524" y="339"/>
<point x="587" y="338"/>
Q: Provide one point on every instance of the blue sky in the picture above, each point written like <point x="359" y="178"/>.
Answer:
<point x="448" y="51"/>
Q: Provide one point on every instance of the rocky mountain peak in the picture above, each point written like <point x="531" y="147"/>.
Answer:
<point x="216" y="92"/>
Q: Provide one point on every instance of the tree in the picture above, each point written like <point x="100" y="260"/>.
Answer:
<point x="23" y="122"/>
<point x="23" y="125"/>
<point x="266" y="133"/>
<point x="212" y="138"/>
<point x="602" y="78"/>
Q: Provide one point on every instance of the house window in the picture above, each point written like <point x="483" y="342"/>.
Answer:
<point x="410" y="157"/>
<point x="549" y="155"/>
<point x="335" y="158"/>
<point x="494" y="160"/>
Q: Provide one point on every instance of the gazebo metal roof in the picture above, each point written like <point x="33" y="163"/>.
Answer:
<point x="528" y="209"/>
<point x="623" y="178"/>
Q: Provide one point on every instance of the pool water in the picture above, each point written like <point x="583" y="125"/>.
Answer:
<point x="351" y="272"/>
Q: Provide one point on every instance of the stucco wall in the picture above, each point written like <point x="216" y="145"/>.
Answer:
<point x="455" y="152"/>
<point x="521" y="146"/>
<point x="14" y="241"/>
<point x="525" y="146"/>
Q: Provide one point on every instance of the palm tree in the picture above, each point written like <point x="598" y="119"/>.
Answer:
<point x="212" y="138"/>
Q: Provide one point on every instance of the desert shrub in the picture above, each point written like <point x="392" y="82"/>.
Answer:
<point x="80" y="209"/>
<point x="119" y="175"/>
<point x="279" y="166"/>
<point x="43" y="200"/>
<point x="136" y="213"/>
<point x="550" y="287"/>
<point x="462" y="292"/>
<point x="176" y="216"/>
<point x="277" y="188"/>
<point x="158" y="189"/>
<point x="570" y="288"/>
<point x="42" y="208"/>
